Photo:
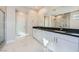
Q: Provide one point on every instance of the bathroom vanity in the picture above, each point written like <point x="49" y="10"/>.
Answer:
<point x="57" y="39"/>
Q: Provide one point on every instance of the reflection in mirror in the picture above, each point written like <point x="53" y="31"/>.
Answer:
<point x="46" y="21"/>
<point x="62" y="20"/>
<point x="74" y="20"/>
<point x="59" y="20"/>
<point x="53" y="21"/>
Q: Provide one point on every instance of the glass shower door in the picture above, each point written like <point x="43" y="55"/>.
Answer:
<point x="2" y="26"/>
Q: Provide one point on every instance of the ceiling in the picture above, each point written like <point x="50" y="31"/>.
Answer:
<point x="50" y="10"/>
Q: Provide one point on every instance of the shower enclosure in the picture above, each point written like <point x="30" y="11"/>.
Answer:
<point x="20" y="24"/>
<point x="2" y="27"/>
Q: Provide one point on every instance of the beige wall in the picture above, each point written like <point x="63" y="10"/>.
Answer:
<point x="3" y="8"/>
<point x="35" y="19"/>
<point x="10" y="24"/>
<point x="32" y="21"/>
<point x="41" y="15"/>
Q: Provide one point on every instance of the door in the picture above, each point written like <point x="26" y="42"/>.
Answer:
<point x="51" y="41"/>
<point x="2" y="26"/>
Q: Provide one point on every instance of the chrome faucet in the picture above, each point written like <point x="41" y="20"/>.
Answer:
<point x="61" y="28"/>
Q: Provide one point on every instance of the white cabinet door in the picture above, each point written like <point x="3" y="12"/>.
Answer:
<point x="51" y="38"/>
<point x="46" y="36"/>
<point x="63" y="45"/>
<point x="35" y="33"/>
<point x="38" y="34"/>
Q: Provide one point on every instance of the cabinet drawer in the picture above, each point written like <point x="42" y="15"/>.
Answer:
<point x="68" y="38"/>
<point x="66" y="46"/>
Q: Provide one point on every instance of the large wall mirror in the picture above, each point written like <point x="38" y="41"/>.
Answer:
<point x="74" y="20"/>
<point x="62" y="20"/>
<point x="2" y="26"/>
<point x="66" y="20"/>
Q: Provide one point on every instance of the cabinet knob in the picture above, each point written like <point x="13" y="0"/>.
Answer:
<point x="56" y="39"/>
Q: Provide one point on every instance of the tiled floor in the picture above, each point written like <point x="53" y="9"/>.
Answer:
<point x="25" y="44"/>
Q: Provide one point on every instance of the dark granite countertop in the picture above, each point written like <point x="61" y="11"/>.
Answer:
<point x="65" y="31"/>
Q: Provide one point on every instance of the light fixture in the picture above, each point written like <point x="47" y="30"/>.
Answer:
<point x="37" y="8"/>
<point x="59" y="16"/>
<point x="42" y="11"/>
<point x="20" y="13"/>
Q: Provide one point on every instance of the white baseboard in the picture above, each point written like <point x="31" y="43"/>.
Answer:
<point x="17" y="37"/>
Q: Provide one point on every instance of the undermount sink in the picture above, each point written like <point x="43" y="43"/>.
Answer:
<point x="74" y="34"/>
<point x="60" y="31"/>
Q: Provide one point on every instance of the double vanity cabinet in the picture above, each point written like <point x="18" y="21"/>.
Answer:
<point x="56" y="42"/>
